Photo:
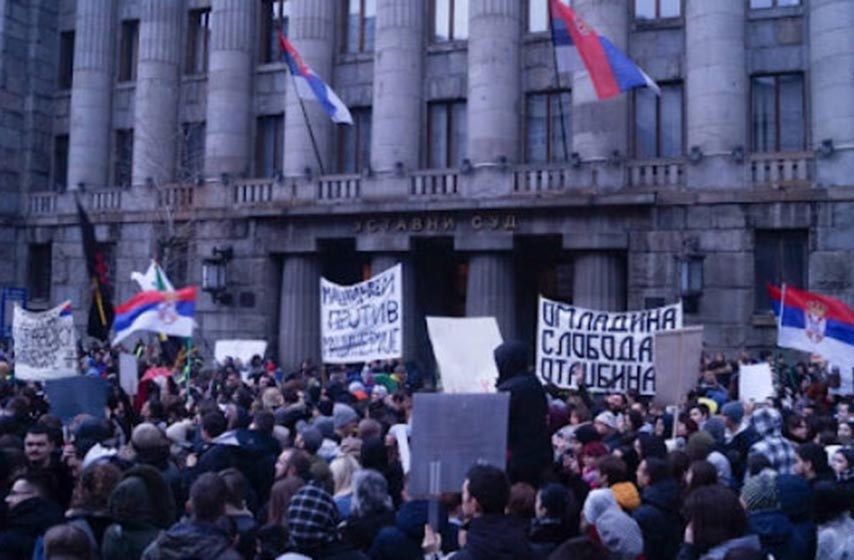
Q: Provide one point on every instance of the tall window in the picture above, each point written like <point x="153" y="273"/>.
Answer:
<point x="450" y="20"/>
<point x="538" y="15"/>
<point x="60" y="162"/>
<point x="657" y="9"/>
<point x="354" y="142"/>
<point x="779" y="256"/>
<point x="779" y="120"/>
<point x="198" y="39"/>
<point x="129" y="50"/>
<point x="759" y="4"/>
<point x="174" y="257"/>
<point x="269" y="145"/>
<point x="39" y="271"/>
<point x="359" y="19"/>
<point x="658" y="122"/>
<point x="192" y="151"/>
<point x="66" y="60"/>
<point x="548" y="126"/>
<point x="123" y="160"/>
<point x="447" y="134"/>
<point x="273" y="14"/>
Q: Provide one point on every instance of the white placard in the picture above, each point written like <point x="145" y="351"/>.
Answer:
<point x="362" y="322"/>
<point x="614" y="350"/>
<point x="45" y="343"/>
<point x="242" y="350"/>
<point x="464" y="352"/>
<point x="755" y="382"/>
<point x="128" y="373"/>
<point x="677" y="359"/>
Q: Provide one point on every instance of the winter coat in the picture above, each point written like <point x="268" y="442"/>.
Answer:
<point x="495" y="537"/>
<point x="797" y="502"/>
<point x="688" y="552"/>
<point x="777" y="535"/>
<point x="336" y="551"/>
<point x="546" y="534"/>
<point x="192" y="540"/>
<point x="836" y="539"/>
<point x="403" y="540"/>
<point x="26" y="522"/>
<point x="660" y="520"/>
<point x="362" y="530"/>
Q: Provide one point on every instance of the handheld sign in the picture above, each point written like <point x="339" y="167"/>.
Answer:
<point x="755" y="382"/>
<point x="45" y="343"/>
<point x="71" y="396"/>
<point x="464" y="352"/>
<point x="677" y="362"/>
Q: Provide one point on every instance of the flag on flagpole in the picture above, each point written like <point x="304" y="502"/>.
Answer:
<point x="161" y="312"/>
<point x="154" y="279"/>
<point x="814" y="323"/>
<point x="610" y="70"/>
<point x="101" y="310"/>
<point x="310" y="86"/>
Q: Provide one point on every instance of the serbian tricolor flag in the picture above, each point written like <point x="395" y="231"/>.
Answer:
<point x="309" y="86"/>
<point x="610" y="70"/>
<point x="814" y="323"/>
<point x="161" y="312"/>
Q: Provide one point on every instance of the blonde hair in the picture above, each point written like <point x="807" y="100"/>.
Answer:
<point x="343" y="468"/>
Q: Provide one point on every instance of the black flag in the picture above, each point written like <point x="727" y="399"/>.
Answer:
<point x="101" y="311"/>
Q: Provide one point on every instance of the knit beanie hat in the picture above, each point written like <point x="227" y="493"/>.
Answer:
<point x="586" y="433"/>
<point x="626" y="495"/>
<point x="734" y="411"/>
<point x="715" y="427"/>
<point x="700" y="444"/>
<point x="760" y="493"/>
<point x="342" y="415"/>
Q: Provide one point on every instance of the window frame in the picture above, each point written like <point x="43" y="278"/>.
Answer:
<point x="65" y="64"/>
<point x="549" y="95"/>
<point x="361" y="47"/>
<point x="775" y="4"/>
<point x="128" y="52"/>
<point x="658" y="123"/>
<point x="196" y="20"/>
<point x="361" y="115"/>
<point x="269" y="27"/>
<point x="778" y="113"/>
<point x="450" y="133"/>
<point x="192" y="165"/>
<point x="278" y="120"/>
<point x="452" y="9"/>
<point x="39" y="284"/>
<point x="120" y="134"/>
<point x="56" y="185"/>
<point x="780" y="237"/>
<point x="658" y="17"/>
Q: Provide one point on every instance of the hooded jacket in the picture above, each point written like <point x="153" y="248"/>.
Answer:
<point x="192" y="540"/>
<point x="495" y="537"/>
<point x="660" y="520"/>
<point x="780" y="452"/>
<point x="26" y="522"/>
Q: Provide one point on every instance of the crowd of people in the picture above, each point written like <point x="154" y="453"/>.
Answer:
<point x="248" y="461"/>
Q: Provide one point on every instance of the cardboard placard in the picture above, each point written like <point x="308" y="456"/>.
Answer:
<point x="464" y="352"/>
<point x="677" y="363"/>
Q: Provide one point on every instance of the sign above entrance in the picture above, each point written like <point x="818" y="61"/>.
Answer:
<point x="432" y="223"/>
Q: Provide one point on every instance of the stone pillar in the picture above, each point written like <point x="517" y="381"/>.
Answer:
<point x="600" y="128"/>
<point x="231" y="73"/>
<point x="396" y="127"/>
<point x="491" y="290"/>
<point x="494" y="80"/>
<point x="384" y="261"/>
<point x="310" y="29"/>
<point x="832" y="88"/>
<point x="599" y="281"/>
<point x="156" y="131"/>
<point x="299" y="316"/>
<point x="91" y="94"/>
<point x="716" y="90"/>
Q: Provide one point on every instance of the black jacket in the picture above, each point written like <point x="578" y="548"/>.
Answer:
<point x="192" y="540"/>
<point x="495" y="537"/>
<point x="660" y="521"/>
<point x="26" y="522"/>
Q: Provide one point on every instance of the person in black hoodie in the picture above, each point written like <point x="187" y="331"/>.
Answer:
<point x="528" y="441"/>
<point x="658" y="515"/>
<point x="490" y="534"/>
<point x="30" y="515"/>
<point x="557" y="519"/>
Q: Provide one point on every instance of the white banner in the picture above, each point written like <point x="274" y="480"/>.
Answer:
<point x="362" y="322"/>
<point x="242" y="350"/>
<point x="464" y="348"/>
<point x="45" y="343"/>
<point x="615" y="351"/>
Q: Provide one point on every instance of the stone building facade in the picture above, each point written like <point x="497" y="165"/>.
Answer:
<point x="488" y="174"/>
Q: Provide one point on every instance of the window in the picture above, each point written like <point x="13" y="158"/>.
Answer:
<point x="548" y="127"/>
<point x="779" y="256"/>
<point x="354" y="142"/>
<point x="778" y="113"/>
<point x="39" y="271"/>
<point x="759" y="4"/>
<point x="657" y="9"/>
<point x="129" y="50"/>
<point x="269" y="145"/>
<point x="174" y="257"/>
<point x="658" y="122"/>
<point x="359" y="19"/>
<point x="450" y="20"/>
<point x="447" y="134"/>
<point x="66" y="60"/>
<point x="538" y="15"/>
<point x="198" y="39"/>
<point x="60" y="162"/>
<point x="123" y="161"/>
<point x="192" y="151"/>
<point x="273" y="14"/>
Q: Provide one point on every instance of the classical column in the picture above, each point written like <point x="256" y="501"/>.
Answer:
<point x="832" y="87"/>
<point x="716" y="90"/>
<point x="494" y="82"/>
<point x="230" y="77"/>
<point x="155" y="132"/>
<point x="299" y="316"/>
<point x="384" y="261"/>
<point x="491" y="289"/>
<point x="398" y="52"/>
<point x="599" y="281"/>
<point x="91" y="94"/>
<point x="310" y="29"/>
<point x="600" y="128"/>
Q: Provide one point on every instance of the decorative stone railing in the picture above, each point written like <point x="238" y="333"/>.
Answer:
<point x="656" y="173"/>
<point x="42" y="204"/>
<point x="434" y="183"/>
<point x="780" y="170"/>
<point x="176" y="197"/>
<point x="542" y="178"/>
<point x="105" y="200"/>
<point x="339" y="187"/>
<point x="250" y="193"/>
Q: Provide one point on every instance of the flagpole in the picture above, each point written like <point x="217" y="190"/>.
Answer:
<point x="782" y="309"/>
<point x="559" y="93"/>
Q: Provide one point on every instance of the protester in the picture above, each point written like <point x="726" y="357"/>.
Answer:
<point x="717" y="524"/>
<point x="659" y="515"/>
<point x="608" y="525"/>
<point x="30" y="514"/>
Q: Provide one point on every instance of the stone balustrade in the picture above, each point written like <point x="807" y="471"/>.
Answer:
<point x="339" y="187"/>
<point x="782" y="170"/>
<point x="661" y="173"/>
<point x="434" y="183"/>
